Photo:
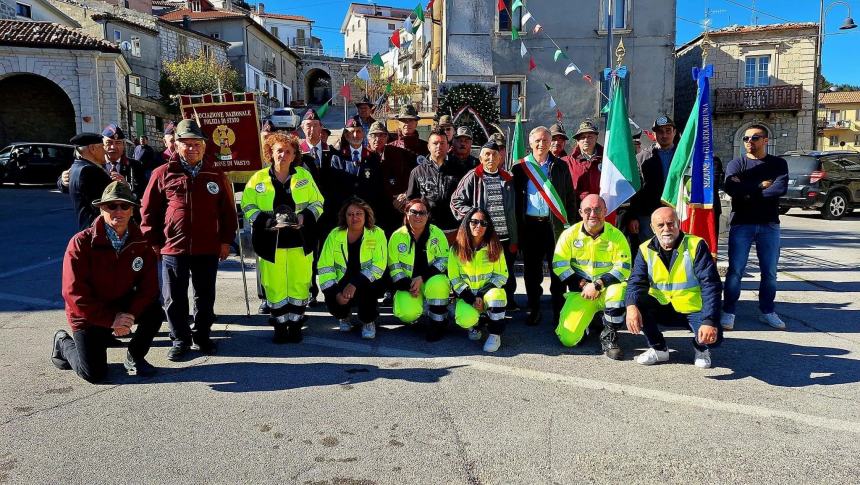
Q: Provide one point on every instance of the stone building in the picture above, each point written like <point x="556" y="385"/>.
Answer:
<point x="293" y="30"/>
<point x="762" y="74"/>
<point x="56" y="81"/>
<point x="839" y="120"/>
<point x="367" y="28"/>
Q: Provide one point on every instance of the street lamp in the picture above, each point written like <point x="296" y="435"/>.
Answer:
<point x="847" y="24"/>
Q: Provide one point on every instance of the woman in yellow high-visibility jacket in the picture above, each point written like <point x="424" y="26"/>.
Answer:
<point x="282" y="203"/>
<point x="418" y="264"/>
<point x="477" y="270"/>
<point x="351" y="263"/>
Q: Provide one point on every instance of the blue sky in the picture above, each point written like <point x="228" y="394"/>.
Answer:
<point x="837" y="66"/>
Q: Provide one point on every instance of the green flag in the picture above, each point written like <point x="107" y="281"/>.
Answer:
<point x="514" y="33"/>
<point x="517" y="4"/>
<point x="518" y="150"/>
<point x="559" y="54"/>
<point x="377" y="60"/>
<point x="419" y="12"/>
<point x="619" y="175"/>
<point x="323" y="109"/>
<point x="388" y="88"/>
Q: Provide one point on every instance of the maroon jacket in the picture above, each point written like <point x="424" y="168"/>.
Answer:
<point x="585" y="174"/>
<point x="98" y="282"/>
<point x="413" y="144"/>
<point x="188" y="216"/>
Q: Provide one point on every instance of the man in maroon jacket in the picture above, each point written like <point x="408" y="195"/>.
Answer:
<point x="189" y="217"/>
<point x="109" y="284"/>
<point x="584" y="161"/>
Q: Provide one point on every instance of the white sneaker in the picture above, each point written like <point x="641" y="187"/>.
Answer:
<point x="773" y="320"/>
<point x="345" y="325"/>
<point x="475" y="333"/>
<point x="703" y="359"/>
<point x="652" y="356"/>
<point x="493" y="343"/>
<point x="368" y="331"/>
<point x="727" y="321"/>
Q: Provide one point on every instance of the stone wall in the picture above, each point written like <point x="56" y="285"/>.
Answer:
<point x="169" y="37"/>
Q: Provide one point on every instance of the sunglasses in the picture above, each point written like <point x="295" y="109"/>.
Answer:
<point x="413" y="212"/>
<point x="752" y="138"/>
<point x="594" y="210"/>
<point x="115" y="206"/>
<point x="479" y="222"/>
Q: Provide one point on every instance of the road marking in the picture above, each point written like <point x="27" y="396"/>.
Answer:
<point x="597" y="385"/>
<point x="30" y="300"/>
<point x="29" y="268"/>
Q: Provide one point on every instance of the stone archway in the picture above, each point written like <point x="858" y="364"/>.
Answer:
<point x="317" y="86"/>
<point x="34" y="109"/>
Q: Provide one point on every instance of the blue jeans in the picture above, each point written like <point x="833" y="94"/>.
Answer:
<point x="741" y="239"/>
<point x="653" y="312"/>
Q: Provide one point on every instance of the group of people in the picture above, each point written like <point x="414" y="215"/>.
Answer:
<point x="420" y="223"/>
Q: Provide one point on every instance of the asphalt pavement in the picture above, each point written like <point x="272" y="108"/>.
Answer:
<point x="778" y="407"/>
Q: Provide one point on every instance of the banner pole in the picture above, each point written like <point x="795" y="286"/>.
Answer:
<point x="242" y="265"/>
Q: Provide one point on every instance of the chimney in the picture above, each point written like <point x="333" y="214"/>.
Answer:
<point x="260" y="8"/>
<point x="186" y="22"/>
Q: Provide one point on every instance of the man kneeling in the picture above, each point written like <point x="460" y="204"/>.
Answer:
<point x="109" y="284"/>
<point x="592" y="259"/>
<point x="674" y="281"/>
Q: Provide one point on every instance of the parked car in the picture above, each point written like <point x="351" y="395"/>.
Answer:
<point x="34" y="162"/>
<point x="285" y="118"/>
<point x="824" y="181"/>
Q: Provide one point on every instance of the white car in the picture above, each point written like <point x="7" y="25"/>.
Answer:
<point x="285" y="118"/>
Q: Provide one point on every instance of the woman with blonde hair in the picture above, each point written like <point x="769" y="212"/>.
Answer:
<point x="283" y="203"/>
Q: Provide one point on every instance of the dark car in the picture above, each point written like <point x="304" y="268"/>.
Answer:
<point x="824" y="181"/>
<point x="35" y="163"/>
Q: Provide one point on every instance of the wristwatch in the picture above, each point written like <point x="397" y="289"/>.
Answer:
<point x="598" y="285"/>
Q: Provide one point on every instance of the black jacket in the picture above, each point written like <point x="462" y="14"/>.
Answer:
<point x="87" y="181"/>
<point x="648" y="199"/>
<point x="367" y="184"/>
<point x="436" y="185"/>
<point x="559" y="175"/>
<point x="134" y="174"/>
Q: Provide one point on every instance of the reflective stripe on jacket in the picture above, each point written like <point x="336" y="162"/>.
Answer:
<point x="332" y="263"/>
<point x="477" y="273"/>
<point x="259" y="194"/>
<point x="401" y="252"/>
<point x="578" y="253"/>
<point x="678" y="285"/>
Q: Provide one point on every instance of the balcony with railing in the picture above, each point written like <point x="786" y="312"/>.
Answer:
<point x="765" y="98"/>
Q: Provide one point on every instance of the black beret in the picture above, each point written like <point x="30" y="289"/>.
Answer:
<point x="85" y="139"/>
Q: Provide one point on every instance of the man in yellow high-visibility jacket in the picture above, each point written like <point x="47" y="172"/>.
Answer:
<point x="592" y="258"/>
<point x="674" y="281"/>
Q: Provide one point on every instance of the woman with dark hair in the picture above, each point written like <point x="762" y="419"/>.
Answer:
<point x="478" y="272"/>
<point x="351" y="263"/>
<point x="282" y="203"/>
<point x="418" y="264"/>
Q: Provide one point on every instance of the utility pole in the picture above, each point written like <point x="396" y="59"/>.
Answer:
<point x="610" y="4"/>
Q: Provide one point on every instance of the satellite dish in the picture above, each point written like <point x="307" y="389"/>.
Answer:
<point x="125" y="45"/>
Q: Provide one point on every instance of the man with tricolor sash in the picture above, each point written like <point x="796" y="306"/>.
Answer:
<point x="545" y="206"/>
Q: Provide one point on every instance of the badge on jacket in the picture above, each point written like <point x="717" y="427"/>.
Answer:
<point x="213" y="188"/>
<point x="401" y="247"/>
<point x="367" y="174"/>
<point x="260" y="188"/>
<point x="137" y="264"/>
<point x="578" y="243"/>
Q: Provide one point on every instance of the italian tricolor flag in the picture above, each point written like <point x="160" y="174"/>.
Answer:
<point x="619" y="176"/>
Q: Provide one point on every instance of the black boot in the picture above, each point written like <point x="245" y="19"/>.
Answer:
<point x="264" y="308"/>
<point x="280" y="336"/>
<point x="609" y="343"/>
<point x="534" y="317"/>
<point x="294" y="333"/>
<point x="435" y="331"/>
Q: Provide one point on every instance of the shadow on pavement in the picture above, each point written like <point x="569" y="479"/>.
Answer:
<point x="266" y="377"/>
<point x="814" y="316"/>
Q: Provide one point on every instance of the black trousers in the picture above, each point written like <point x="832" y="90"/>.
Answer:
<point x="86" y="351"/>
<point x="510" y="262"/>
<point x="537" y="248"/>
<point x="176" y="272"/>
<point x="365" y="299"/>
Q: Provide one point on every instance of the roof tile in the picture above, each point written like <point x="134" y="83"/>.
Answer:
<point x="48" y="34"/>
<point x="838" y="97"/>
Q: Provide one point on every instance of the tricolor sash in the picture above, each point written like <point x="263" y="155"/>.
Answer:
<point x="545" y="188"/>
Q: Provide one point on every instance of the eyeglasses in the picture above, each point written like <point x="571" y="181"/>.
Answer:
<point x="592" y="210"/>
<point x="413" y="212"/>
<point x="479" y="222"/>
<point x="116" y="206"/>
<point x="752" y="138"/>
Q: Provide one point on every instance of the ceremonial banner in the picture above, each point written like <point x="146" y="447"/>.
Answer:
<point x="619" y="176"/>
<point x="690" y="184"/>
<point x="231" y="129"/>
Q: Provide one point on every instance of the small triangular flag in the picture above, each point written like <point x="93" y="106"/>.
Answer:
<point x="552" y="102"/>
<point x="526" y="18"/>
<point x="419" y="12"/>
<point x="501" y="5"/>
<point x="605" y="109"/>
<point x="405" y="45"/>
<point x="532" y="64"/>
<point x="517" y="4"/>
<point x="559" y="115"/>
<point x="547" y="86"/>
<point x="523" y="50"/>
<point x="588" y="78"/>
<point x="363" y="74"/>
<point x="430" y="5"/>
<point x="323" y="109"/>
<point x="407" y="24"/>
<point x="559" y="54"/>
<point x="395" y="39"/>
<point x="570" y="68"/>
<point x="377" y="60"/>
<point x="346" y="92"/>
<point x="537" y="28"/>
<point x="514" y="33"/>
<point x="388" y="88"/>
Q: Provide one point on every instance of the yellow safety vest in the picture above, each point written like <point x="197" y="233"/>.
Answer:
<point x="331" y="266"/>
<point x="475" y="274"/>
<point x="578" y="253"/>
<point x="678" y="286"/>
<point x="401" y="252"/>
<point x="259" y="194"/>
